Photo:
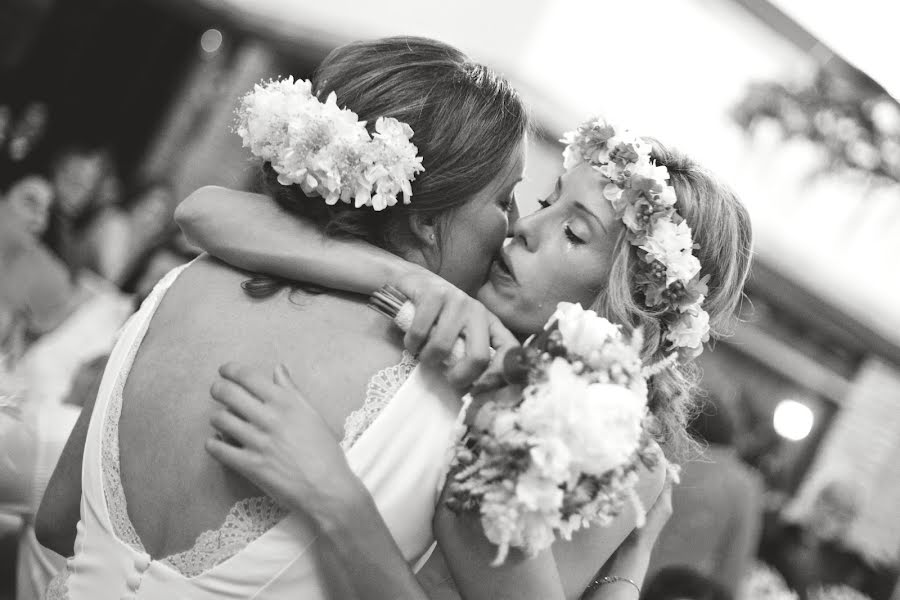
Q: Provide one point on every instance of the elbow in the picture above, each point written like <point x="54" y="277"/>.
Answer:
<point x="191" y="212"/>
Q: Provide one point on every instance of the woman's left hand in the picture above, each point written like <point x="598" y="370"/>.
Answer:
<point x="278" y="441"/>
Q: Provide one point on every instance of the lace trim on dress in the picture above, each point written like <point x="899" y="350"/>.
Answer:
<point x="382" y="387"/>
<point x="58" y="588"/>
<point x="246" y="521"/>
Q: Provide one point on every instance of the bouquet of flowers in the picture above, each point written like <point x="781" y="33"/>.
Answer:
<point x="563" y="453"/>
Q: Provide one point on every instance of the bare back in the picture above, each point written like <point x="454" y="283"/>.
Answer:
<point x="332" y="344"/>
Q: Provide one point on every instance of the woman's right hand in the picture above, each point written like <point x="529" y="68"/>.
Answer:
<point x="445" y="313"/>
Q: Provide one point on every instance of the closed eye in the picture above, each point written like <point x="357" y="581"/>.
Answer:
<point x="571" y="235"/>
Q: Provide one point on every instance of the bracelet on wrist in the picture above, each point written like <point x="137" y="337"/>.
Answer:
<point x="596" y="583"/>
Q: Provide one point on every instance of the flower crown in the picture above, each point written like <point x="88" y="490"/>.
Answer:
<point x="669" y="275"/>
<point x="325" y="149"/>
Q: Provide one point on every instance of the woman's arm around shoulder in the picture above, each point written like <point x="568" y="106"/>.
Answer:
<point x="252" y="232"/>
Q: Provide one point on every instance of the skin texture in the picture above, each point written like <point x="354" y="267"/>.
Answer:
<point x="477" y="229"/>
<point x="562" y="252"/>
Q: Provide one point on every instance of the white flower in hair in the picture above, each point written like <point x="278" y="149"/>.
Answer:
<point x="644" y="199"/>
<point x="690" y="330"/>
<point x="325" y="149"/>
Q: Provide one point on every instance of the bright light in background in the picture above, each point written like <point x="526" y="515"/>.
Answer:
<point x="211" y="40"/>
<point x="841" y="28"/>
<point x="793" y="420"/>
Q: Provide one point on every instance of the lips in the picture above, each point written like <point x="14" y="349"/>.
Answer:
<point x="503" y="266"/>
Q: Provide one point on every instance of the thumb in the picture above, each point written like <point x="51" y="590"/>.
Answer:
<point x="501" y="337"/>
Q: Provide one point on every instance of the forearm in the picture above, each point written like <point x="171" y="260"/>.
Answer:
<point x="252" y="232"/>
<point x="362" y="545"/>
<point x="469" y="555"/>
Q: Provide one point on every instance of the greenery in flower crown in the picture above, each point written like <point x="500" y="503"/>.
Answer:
<point x="638" y="189"/>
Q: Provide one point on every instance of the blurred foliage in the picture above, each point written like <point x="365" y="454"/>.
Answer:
<point x="857" y="126"/>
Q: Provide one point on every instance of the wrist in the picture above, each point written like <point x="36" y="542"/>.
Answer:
<point x="340" y="506"/>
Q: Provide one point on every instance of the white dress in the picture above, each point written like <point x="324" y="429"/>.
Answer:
<point x="396" y="443"/>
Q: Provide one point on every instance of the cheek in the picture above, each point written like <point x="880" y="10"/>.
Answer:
<point x="492" y="231"/>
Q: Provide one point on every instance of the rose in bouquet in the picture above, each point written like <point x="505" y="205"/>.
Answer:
<point x="564" y="453"/>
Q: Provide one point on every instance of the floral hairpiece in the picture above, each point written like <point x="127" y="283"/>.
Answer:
<point x="645" y="202"/>
<point x="325" y="149"/>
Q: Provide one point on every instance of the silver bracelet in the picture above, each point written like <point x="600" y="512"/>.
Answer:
<point x="596" y="583"/>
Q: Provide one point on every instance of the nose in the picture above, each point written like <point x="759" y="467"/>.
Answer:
<point x="524" y="232"/>
<point x="513" y="218"/>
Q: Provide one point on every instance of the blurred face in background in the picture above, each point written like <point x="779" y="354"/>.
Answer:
<point x="77" y="179"/>
<point x="29" y="202"/>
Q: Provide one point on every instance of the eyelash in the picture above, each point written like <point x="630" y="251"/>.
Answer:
<point x="544" y="203"/>
<point x="571" y="235"/>
<point x="508" y="204"/>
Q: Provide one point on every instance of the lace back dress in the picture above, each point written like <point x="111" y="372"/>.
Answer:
<point x="396" y="443"/>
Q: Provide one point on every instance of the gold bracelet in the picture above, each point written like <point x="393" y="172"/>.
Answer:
<point x="611" y="579"/>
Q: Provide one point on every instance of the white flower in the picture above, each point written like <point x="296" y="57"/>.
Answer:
<point x="608" y="430"/>
<point x="325" y="149"/>
<point x="552" y="458"/>
<point x="681" y="267"/>
<point x="668" y="239"/>
<point x="690" y="330"/>
<point x="548" y="406"/>
<point x="672" y="245"/>
<point x="538" y="493"/>
<point x="583" y="331"/>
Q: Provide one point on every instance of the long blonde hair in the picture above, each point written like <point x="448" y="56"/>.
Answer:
<point x="721" y="226"/>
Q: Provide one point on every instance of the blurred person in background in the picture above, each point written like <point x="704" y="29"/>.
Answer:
<point x="34" y="283"/>
<point x="84" y="229"/>
<point x="718" y="506"/>
<point x="127" y="233"/>
<point x="57" y="323"/>
<point x="812" y="551"/>
<point x="27" y="204"/>
<point x="684" y="583"/>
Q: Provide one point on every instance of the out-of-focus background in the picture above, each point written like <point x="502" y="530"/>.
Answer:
<point x="111" y="112"/>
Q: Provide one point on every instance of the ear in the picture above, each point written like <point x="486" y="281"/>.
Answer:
<point x="424" y="228"/>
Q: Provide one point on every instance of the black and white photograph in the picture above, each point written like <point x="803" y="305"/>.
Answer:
<point x="429" y="300"/>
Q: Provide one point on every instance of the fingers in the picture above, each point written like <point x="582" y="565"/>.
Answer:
<point x="501" y="338"/>
<point x="236" y="428"/>
<point x="427" y="311"/>
<point x="444" y="334"/>
<point x="239" y="401"/>
<point x="232" y="457"/>
<point x="253" y="380"/>
<point x="478" y="352"/>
